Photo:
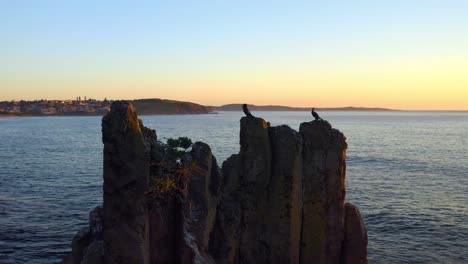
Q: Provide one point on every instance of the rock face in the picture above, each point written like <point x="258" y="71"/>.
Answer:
<point x="255" y="174"/>
<point x="87" y="245"/>
<point x="285" y="195"/>
<point x="259" y="216"/>
<point x="324" y="168"/>
<point x="355" y="239"/>
<point x="224" y="242"/>
<point x="202" y="191"/>
<point x="126" y="174"/>
<point x="281" y="199"/>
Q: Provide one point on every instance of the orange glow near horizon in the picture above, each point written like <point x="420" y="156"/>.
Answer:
<point x="437" y="84"/>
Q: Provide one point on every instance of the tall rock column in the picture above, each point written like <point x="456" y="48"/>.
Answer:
<point x="202" y="194"/>
<point x="324" y="154"/>
<point x="224" y="241"/>
<point x="255" y="157"/>
<point x="126" y="172"/>
<point x="203" y="190"/>
<point x="285" y="196"/>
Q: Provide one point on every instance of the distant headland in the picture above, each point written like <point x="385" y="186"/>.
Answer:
<point x="153" y="106"/>
<point x="238" y="107"/>
<point x="168" y="107"/>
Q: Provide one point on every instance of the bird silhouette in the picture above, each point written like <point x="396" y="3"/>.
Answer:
<point x="246" y="110"/>
<point x="315" y="115"/>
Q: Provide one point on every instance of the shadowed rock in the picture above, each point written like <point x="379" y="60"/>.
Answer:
<point x="279" y="200"/>
<point x="259" y="215"/>
<point x="166" y="231"/>
<point x="126" y="172"/>
<point x="224" y="242"/>
<point x="285" y="196"/>
<point x="180" y="226"/>
<point x="94" y="253"/>
<point x="87" y="245"/>
<point x="324" y="154"/>
<point x="255" y="157"/>
<point x="203" y="189"/>
<point x="354" y="249"/>
<point x="203" y="186"/>
<point x="79" y="244"/>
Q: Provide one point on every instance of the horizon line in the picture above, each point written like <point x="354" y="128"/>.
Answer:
<point x="328" y="108"/>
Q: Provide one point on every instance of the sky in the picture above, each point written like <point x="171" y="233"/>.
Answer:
<point x="410" y="54"/>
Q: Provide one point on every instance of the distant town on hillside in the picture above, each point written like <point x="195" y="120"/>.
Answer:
<point x="89" y="106"/>
<point x="56" y="107"/>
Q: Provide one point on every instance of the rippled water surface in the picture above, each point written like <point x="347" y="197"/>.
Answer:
<point x="407" y="172"/>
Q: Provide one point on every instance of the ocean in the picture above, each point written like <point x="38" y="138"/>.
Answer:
<point x="406" y="171"/>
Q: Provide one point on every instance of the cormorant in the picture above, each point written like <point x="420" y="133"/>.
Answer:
<point x="315" y="115"/>
<point x="246" y="111"/>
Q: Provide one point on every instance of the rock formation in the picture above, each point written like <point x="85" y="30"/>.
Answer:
<point x="88" y="244"/>
<point x="355" y="237"/>
<point x="324" y="154"/>
<point x="126" y="171"/>
<point x="281" y="199"/>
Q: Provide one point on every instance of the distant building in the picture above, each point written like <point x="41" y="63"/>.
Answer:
<point x="48" y="111"/>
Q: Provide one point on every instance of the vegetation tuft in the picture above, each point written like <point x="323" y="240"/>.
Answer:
<point x="171" y="171"/>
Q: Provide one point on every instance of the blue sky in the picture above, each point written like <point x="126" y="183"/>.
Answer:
<point x="67" y="48"/>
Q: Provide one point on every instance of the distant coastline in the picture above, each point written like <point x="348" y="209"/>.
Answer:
<point x="238" y="107"/>
<point x="94" y="107"/>
<point x="5" y="115"/>
<point x="153" y="106"/>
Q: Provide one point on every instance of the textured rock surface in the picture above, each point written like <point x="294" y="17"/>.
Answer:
<point x="203" y="186"/>
<point x="79" y="244"/>
<point x="87" y="245"/>
<point x="255" y="174"/>
<point x="180" y="232"/>
<point x="285" y="196"/>
<point x="224" y="242"/>
<point x="126" y="173"/>
<point x="279" y="200"/>
<point x="150" y="140"/>
<point x="202" y="196"/>
<point x="165" y="232"/>
<point x="94" y="253"/>
<point x="355" y="239"/>
<point x="324" y="154"/>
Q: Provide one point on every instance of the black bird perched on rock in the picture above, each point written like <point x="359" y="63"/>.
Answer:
<point x="315" y="115"/>
<point x="246" y="110"/>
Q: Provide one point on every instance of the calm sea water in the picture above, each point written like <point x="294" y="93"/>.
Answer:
<point x="407" y="172"/>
